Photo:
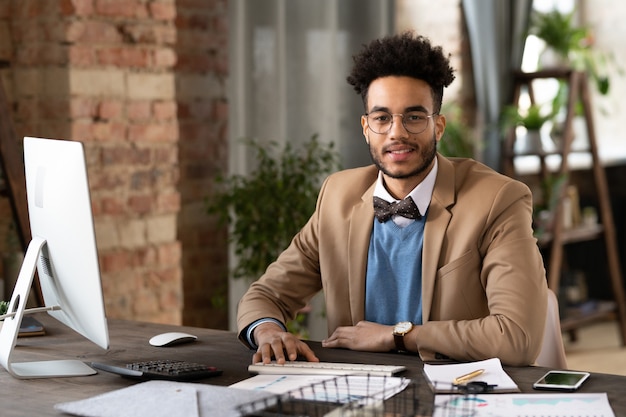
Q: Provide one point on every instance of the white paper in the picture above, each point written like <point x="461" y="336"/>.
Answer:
<point x="163" y="399"/>
<point x="441" y="377"/>
<point x="327" y="388"/>
<point x="527" y="405"/>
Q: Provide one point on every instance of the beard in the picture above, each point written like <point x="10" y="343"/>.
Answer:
<point x="427" y="153"/>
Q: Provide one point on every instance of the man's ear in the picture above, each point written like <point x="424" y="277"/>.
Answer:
<point x="440" y="126"/>
<point x="366" y="130"/>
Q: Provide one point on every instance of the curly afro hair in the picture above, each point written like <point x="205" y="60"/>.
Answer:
<point x="402" y="55"/>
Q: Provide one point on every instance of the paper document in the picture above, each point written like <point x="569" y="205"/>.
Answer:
<point x="326" y="388"/>
<point x="441" y="377"/>
<point x="527" y="405"/>
<point x="163" y="399"/>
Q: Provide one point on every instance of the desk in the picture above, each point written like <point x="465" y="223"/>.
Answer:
<point x="129" y="342"/>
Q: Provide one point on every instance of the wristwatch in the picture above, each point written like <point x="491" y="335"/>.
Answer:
<point x="399" y="330"/>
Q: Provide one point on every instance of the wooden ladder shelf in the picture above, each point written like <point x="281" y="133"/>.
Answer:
<point x="578" y="91"/>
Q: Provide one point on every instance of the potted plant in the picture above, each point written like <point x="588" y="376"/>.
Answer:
<point x="532" y="119"/>
<point x="457" y="139"/>
<point x="266" y="208"/>
<point x="570" y="45"/>
<point x="561" y="36"/>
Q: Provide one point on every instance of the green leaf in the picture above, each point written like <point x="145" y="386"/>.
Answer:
<point x="266" y="208"/>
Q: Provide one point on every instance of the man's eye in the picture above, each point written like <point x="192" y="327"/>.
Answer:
<point x="383" y="118"/>
<point x="414" y="117"/>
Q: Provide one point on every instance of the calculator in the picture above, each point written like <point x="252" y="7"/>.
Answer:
<point x="165" y="369"/>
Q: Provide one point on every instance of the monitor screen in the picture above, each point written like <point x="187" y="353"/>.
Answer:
<point x="63" y="248"/>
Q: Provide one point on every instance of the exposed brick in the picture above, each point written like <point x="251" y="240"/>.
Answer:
<point x="108" y="131"/>
<point x="82" y="107"/>
<point x="160" y="229"/>
<point x="104" y="72"/>
<point x="97" y="83"/>
<point x="92" y="32"/>
<point x="150" y="86"/>
<point x="168" y="202"/>
<point x="139" y="110"/>
<point x="164" y="132"/>
<point x="114" y="262"/>
<point x="124" y="57"/>
<point x="121" y="8"/>
<point x="161" y="10"/>
<point x="55" y="109"/>
<point x="165" y="155"/>
<point x="165" y="110"/>
<point x="76" y="7"/>
<point x="132" y="233"/>
<point x="164" y="58"/>
<point x="110" y="206"/>
<point x="110" y="109"/>
<point x="169" y="254"/>
<point x="140" y="204"/>
<point x="82" y="130"/>
<point x="82" y="56"/>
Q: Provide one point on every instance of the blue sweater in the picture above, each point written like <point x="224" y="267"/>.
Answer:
<point x="393" y="289"/>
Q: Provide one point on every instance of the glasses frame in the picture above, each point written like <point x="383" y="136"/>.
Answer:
<point x="428" y="117"/>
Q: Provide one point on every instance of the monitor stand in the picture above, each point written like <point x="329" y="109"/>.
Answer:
<point x="11" y="328"/>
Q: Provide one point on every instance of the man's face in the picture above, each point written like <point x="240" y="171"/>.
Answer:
<point x="398" y="153"/>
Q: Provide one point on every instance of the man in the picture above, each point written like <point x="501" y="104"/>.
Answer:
<point x="459" y="278"/>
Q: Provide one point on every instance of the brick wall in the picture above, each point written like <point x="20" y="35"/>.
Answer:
<point x="201" y="75"/>
<point x="141" y="83"/>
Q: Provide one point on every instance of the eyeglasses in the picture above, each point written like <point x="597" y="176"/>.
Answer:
<point x="414" y="121"/>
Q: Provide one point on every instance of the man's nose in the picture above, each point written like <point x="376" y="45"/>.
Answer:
<point x="397" y="126"/>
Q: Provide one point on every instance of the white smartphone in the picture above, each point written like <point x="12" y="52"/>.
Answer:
<point x="561" y="380"/>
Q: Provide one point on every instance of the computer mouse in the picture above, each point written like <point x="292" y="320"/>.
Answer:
<point x="171" y="339"/>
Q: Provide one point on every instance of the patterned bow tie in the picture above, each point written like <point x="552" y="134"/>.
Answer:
<point x="383" y="210"/>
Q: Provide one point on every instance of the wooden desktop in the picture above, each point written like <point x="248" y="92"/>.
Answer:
<point x="129" y="343"/>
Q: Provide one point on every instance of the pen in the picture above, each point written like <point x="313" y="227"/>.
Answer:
<point x="464" y="378"/>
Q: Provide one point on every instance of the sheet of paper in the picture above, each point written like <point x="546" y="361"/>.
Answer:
<point x="441" y="376"/>
<point x="326" y="388"/>
<point x="163" y="399"/>
<point x="527" y="405"/>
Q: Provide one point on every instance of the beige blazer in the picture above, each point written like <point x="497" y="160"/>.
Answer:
<point x="483" y="279"/>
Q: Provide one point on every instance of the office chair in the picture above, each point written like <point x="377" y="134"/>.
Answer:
<point x="552" y="354"/>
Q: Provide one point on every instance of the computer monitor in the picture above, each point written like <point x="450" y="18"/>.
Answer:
<point x="62" y="250"/>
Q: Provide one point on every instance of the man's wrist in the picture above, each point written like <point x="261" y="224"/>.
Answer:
<point x="250" y="332"/>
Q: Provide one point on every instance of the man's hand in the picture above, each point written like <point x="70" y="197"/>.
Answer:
<point x="365" y="336"/>
<point x="273" y="341"/>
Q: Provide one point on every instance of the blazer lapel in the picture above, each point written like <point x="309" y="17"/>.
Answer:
<point x="439" y="217"/>
<point x="358" y="244"/>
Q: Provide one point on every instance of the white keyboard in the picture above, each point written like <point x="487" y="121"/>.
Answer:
<point x="325" y="368"/>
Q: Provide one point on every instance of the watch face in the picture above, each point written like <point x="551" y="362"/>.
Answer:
<point x="403" y="327"/>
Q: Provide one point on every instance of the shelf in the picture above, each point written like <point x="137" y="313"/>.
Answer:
<point x="587" y="313"/>
<point x="579" y="234"/>
<point x="559" y="160"/>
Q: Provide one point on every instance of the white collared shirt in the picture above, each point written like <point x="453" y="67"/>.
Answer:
<point x="421" y="194"/>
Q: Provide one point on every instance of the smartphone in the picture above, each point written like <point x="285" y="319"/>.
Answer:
<point x="561" y="380"/>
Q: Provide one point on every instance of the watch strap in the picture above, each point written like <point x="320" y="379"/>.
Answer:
<point x="399" y="341"/>
<point x="401" y="329"/>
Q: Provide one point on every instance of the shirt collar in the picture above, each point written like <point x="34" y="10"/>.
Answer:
<point x="421" y="194"/>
